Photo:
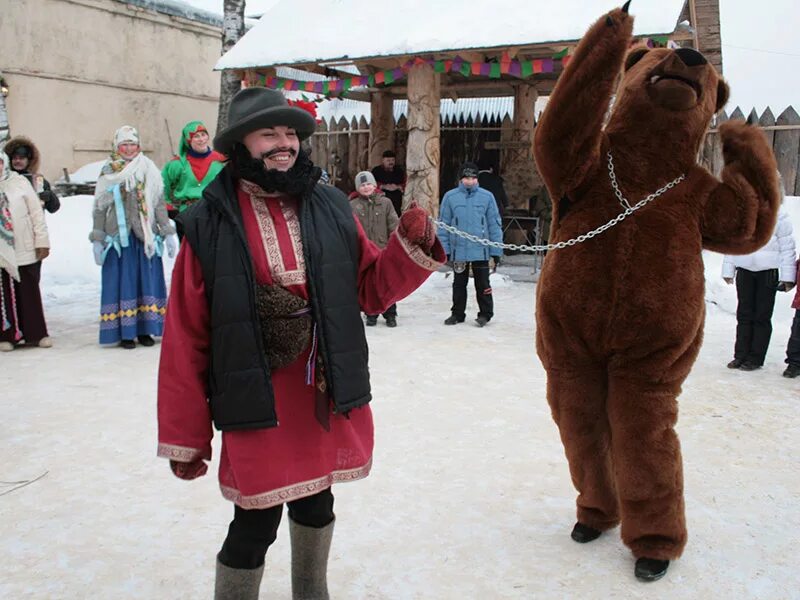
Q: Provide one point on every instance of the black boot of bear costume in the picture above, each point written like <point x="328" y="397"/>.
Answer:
<point x="650" y="569"/>
<point x="583" y="533"/>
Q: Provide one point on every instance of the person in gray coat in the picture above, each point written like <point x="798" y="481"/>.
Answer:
<point x="378" y="218"/>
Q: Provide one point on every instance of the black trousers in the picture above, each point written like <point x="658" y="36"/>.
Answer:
<point x="390" y="312"/>
<point x="483" y="290"/>
<point x="756" y="292"/>
<point x="793" y="347"/>
<point x="253" y="531"/>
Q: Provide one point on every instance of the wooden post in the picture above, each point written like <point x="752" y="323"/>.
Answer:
<point x="352" y="154"/>
<point x="381" y="126"/>
<point x="345" y="176"/>
<point x="520" y="173"/>
<point x="704" y="15"/>
<point x="422" y="148"/>
<point x="363" y="146"/>
<point x="787" y="142"/>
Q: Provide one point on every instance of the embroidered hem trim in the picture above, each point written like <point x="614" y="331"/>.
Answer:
<point x="179" y="453"/>
<point x="418" y="255"/>
<point x="295" y="491"/>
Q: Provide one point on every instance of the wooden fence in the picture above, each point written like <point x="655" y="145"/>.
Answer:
<point x="783" y="134"/>
<point x="342" y="147"/>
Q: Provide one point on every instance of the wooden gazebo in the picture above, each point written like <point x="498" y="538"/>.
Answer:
<point x="420" y="50"/>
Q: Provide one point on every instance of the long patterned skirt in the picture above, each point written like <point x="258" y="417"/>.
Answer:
<point x="134" y="295"/>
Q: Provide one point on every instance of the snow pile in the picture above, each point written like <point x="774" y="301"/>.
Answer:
<point x="88" y="173"/>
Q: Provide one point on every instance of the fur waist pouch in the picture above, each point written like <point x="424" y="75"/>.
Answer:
<point x="285" y="324"/>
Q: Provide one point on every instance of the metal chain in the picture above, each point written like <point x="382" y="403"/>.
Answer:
<point x="626" y="212"/>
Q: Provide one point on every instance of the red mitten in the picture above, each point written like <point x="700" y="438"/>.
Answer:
<point x="417" y="227"/>
<point x="190" y="470"/>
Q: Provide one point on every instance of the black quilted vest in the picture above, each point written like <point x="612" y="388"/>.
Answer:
<point x="239" y="385"/>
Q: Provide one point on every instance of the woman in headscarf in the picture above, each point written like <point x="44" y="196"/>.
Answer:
<point x="24" y="243"/>
<point x="131" y="230"/>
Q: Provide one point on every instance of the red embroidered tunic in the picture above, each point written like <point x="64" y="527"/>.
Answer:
<point x="266" y="467"/>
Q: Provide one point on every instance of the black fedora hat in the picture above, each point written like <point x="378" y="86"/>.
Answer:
<point x="256" y="108"/>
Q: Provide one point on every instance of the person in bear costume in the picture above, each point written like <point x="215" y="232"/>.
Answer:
<point x="620" y="316"/>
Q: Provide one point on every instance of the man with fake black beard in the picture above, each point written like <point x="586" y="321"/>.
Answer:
<point x="264" y="339"/>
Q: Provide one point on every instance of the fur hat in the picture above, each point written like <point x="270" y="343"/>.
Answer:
<point x="365" y="177"/>
<point x="126" y="135"/>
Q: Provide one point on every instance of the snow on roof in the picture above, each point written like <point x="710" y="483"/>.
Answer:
<point x="365" y="28"/>
<point x="177" y="8"/>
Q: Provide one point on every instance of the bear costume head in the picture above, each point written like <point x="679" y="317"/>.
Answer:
<point x="676" y="91"/>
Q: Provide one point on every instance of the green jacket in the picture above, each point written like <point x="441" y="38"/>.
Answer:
<point x="181" y="187"/>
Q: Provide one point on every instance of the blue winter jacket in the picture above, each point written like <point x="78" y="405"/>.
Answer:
<point x="473" y="210"/>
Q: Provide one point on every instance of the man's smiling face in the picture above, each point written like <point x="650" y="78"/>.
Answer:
<point x="276" y="146"/>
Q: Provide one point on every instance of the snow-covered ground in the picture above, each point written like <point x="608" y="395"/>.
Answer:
<point x="469" y="497"/>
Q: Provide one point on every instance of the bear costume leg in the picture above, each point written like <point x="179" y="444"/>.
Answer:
<point x="578" y="403"/>
<point x="647" y="459"/>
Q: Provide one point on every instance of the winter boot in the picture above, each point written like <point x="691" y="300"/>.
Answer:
<point x="749" y="366"/>
<point x="310" y="548"/>
<point x="650" y="569"/>
<point x="6" y="346"/>
<point x="237" y="584"/>
<point x="583" y="533"/>
<point x="45" y="342"/>
<point x="127" y="344"/>
<point x="481" y="321"/>
<point x="792" y="371"/>
<point x="391" y="322"/>
<point x="146" y="340"/>
<point x="453" y="320"/>
<point x="372" y="320"/>
<point x="735" y="363"/>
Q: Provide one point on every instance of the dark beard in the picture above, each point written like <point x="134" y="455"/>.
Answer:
<point x="297" y="181"/>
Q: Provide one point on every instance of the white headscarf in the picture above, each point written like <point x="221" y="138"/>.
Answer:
<point x="139" y="169"/>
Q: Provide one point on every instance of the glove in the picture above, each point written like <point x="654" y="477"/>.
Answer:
<point x="728" y="280"/>
<point x="188" y="471"/>
<point x="416" y="227"/>
<point x="97" y="248"/>
<point x="42" y="253"/>
<point x="172" y="245"/>
<point x="785" y="286"/>
<point x="49" y="201"/>
<point x="497" y="260"/>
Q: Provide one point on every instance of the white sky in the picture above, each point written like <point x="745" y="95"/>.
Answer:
<point x="760" y="46"/>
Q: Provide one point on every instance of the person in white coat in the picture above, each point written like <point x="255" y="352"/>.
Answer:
<point x="24" y="243"/>
<point x="758" y="277"/>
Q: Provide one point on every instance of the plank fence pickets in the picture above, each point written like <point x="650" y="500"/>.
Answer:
<point x="783" y="135"/>
<point x="787" y="148"/>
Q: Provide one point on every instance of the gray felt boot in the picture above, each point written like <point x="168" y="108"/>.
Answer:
<point x="237" y="584"/>
<point x="310" y="547"/>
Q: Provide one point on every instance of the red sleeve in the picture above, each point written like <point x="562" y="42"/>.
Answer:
<point x="389" y="275"/>
<point x="184" y="419"/>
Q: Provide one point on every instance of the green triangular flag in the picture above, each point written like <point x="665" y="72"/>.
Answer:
<point x="494" y="72"/>
<point x="526" y="68"/>
<point x="438" y="66"/>
<point x="388" y="77"/>
<point x="348" y="83"/>
<point x="466" y="69"/>
<point x="561" y="54"/>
